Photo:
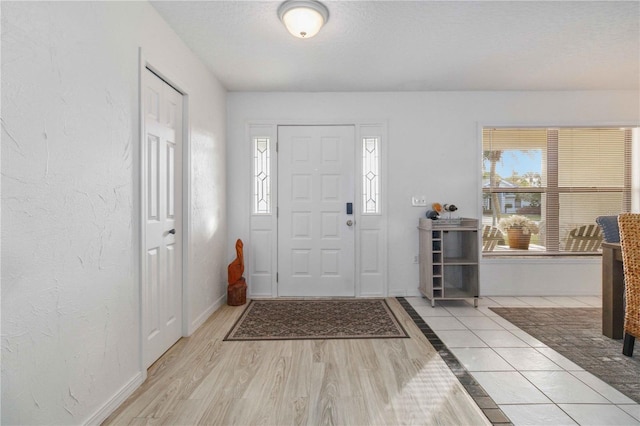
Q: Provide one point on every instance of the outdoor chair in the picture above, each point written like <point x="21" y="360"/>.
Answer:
<point x="491" y="237"/>
<point x="610" y="229"/>
<point x="584" y="238"/>
<point x="630" y="242"/>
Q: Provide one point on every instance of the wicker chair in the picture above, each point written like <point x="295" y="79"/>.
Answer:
<point x="630" y="243"/>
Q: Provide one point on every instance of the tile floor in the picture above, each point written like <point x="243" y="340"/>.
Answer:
<point x="530" y="382"/>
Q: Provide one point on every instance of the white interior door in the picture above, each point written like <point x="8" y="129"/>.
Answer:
<point x="162" y="210"/>
<point x="315" y="233"/>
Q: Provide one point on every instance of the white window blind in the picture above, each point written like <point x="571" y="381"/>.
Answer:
<point x="591" y="176"/>
<point x="583" y="173"/>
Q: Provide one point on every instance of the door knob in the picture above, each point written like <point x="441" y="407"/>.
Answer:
<point x="349" y="222"/>
<point x="172" y="231"/>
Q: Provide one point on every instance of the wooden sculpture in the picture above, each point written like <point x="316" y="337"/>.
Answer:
<point x="237" y="290"/>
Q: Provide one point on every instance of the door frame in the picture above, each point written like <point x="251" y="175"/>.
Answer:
<point x="156" y="66"/>
<point x="261" y="240"/>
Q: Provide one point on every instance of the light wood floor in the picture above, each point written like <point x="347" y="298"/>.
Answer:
<point x="203" y="380"/>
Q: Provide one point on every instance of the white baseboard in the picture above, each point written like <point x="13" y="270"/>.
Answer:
<point x="117" y="399"/>
<point x="260" y="296"/>
<point x="195" y="324"/>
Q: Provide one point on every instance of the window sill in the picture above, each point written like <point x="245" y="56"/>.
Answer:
<point x="535" y="250"/>
<point x="549" y="258"/>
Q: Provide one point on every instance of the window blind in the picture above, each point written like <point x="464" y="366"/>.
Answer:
<point x="584" y="173"/>
<point x="591" y="177"/>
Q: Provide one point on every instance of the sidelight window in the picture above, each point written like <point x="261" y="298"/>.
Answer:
<point x="371" y="175"/>
<point x="261" y="175"/>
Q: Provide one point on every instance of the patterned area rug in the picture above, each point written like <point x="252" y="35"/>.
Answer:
<point x="576" y="333"/>
<point x="316" y="319"/>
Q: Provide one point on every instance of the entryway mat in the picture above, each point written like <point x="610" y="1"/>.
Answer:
<point x="286" y="319"/>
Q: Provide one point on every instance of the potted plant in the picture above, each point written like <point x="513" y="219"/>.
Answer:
<point x="519" y="230"/>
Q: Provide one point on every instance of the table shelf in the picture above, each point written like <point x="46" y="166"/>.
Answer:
<point x="449" y="255"/>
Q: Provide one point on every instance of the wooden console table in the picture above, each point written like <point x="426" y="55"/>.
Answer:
<point x="612" y="291"/>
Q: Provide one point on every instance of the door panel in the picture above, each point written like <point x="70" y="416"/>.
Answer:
<point x="162" y="187"/>
<point x="315" y="181"/>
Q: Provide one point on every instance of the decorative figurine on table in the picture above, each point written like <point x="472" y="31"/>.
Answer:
<point x="237" y="290"/>
<point x="434" y="213"/>
<point x="437" y="209"/>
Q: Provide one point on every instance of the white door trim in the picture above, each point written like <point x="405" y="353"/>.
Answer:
<point x="156" y="66"/>
<point x="261" y="243"/>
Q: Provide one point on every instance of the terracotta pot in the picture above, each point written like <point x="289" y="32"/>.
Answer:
<point x="518" y="239"/>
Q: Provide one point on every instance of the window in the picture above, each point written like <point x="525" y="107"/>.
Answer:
<point x="370" y="175"/>
<point x="559" y="179"/>
<point x="261" y="175"/>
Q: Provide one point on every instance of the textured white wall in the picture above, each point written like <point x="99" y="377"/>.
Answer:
<point x="433" y="150"/>
<point x="70" y="137"/>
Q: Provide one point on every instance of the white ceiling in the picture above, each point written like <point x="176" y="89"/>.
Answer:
<point x="417" y="45"/>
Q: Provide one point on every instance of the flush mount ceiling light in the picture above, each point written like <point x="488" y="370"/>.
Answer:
<point x="303" y="18"/>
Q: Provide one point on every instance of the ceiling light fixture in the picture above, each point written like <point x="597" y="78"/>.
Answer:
<point x="303" y="18"/>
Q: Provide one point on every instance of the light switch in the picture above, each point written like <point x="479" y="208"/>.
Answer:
<point x="419" y="200"/>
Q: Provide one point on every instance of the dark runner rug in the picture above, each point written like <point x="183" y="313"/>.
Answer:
<point x="576" y="333"/>
<point x="316" y="319"/>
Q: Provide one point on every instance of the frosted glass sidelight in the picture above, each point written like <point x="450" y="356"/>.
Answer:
<point x="261" y="175"/>
<point x="370" y="175"/>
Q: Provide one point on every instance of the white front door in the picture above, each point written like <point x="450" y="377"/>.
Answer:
<point x="162" y="217"/>
<point x="315" y="233"/>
